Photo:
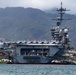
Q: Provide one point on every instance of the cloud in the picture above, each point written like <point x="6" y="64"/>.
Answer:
<point x="40" y="4"/>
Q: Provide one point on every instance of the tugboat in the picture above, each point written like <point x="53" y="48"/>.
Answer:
<point x="45" y="52"/>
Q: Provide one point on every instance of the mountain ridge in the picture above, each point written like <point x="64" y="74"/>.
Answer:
<point x="22" y="24"/>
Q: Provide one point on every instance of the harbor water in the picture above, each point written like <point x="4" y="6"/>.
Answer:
<point x="23" y="69"/>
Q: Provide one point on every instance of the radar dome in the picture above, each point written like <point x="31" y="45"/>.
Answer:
<point x="65" y="30"/>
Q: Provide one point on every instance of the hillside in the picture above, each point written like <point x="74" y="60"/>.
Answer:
<point x="19" y="23"/>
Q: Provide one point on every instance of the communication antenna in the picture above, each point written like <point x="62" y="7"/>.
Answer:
<point x="61" y="12"/>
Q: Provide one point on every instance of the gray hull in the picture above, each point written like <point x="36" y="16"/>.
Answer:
<point x="32" y="59"/>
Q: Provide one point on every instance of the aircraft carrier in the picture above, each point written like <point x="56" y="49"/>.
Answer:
<point x="57" y="50"/>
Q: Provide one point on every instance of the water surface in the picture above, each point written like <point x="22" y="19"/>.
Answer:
<point x="17" y="69"/>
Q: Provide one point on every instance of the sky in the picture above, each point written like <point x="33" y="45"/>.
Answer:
<point x="40" y="4"/>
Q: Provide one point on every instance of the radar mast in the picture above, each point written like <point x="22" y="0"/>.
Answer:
<point x="61" y="12"/>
